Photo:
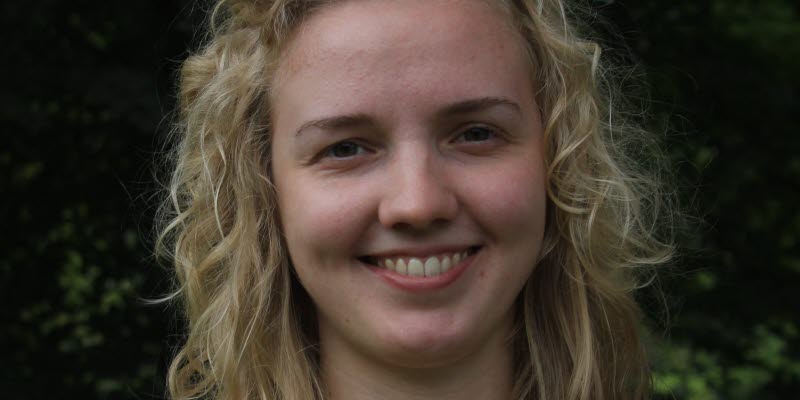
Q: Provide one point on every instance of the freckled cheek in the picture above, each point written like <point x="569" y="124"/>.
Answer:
<point x="511" y="202"/>
<point x="322" y="222"/>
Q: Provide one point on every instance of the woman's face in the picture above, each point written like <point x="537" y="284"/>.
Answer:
<point x="407" y="132"/>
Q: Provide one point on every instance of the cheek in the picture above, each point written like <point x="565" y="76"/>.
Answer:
<point x="321" y="221"/>
<point x="510" y="201"/>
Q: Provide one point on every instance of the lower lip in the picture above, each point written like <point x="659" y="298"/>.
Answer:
<point x="421" y="283"/>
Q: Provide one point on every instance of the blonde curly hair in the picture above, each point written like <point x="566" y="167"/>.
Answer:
<point x="252" y="332"/>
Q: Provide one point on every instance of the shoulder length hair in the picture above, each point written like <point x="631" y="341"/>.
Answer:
<point x="252" y="332"/>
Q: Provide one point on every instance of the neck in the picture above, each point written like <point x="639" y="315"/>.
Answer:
<point x="484" y="374"/>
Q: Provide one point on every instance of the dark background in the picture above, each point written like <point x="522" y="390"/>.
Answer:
<point x="88" y="87"/>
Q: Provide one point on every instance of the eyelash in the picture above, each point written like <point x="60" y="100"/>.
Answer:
<point x="485" y="129"/>
<point x="328" y="152"/>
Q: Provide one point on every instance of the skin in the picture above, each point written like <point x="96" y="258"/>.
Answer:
<point x="400" y="176"/>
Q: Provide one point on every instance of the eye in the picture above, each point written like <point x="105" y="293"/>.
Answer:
<point x="344" y="149"/>
<point x="477" y="134"/>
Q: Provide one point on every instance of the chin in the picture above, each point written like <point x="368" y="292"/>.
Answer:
<point x="427" y="346"/>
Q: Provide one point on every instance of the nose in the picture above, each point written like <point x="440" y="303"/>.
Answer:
<point x="419" y="194"/>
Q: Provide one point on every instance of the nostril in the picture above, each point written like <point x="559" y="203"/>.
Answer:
<point x="423" y="225"/>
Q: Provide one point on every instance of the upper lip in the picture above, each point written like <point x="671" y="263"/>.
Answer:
<point x="420" y="251"/>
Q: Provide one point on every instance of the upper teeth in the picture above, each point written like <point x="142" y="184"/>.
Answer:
<point x="430" y="266"/>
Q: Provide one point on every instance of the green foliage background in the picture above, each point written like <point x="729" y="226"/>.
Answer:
<point x="87" y="86"/>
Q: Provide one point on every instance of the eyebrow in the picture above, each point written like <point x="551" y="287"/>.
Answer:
<point x="476" y="105"/>
<point x="360" y="120"/>
<point x="338" y="122"/>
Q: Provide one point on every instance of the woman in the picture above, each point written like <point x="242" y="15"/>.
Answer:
<point x="406" y="199"/>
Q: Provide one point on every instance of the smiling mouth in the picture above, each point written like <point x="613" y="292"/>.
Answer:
<point x="428" y="266"/>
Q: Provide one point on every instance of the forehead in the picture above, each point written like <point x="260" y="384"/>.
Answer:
<point x="376" y="22"/>
<point x="396" y="44"/>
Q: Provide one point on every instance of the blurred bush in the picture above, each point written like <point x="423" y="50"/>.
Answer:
<point x="724" y="74"/>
